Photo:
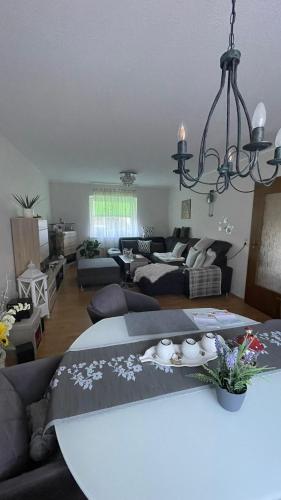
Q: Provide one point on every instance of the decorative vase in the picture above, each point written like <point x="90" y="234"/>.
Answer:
<point x="28" y="213"/>
<point x="2" y="357"/>
<point x="229" y="400"/>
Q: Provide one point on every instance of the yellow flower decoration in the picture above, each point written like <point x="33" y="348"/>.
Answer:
<point x="3" y="328"/>
<point x="3" y="334"/>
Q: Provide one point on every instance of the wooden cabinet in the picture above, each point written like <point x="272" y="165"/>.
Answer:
<point x="66" y="242"/>
<point x="30" y="242"/>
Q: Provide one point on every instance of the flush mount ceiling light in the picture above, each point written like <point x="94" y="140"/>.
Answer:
<point x="236" y="162"/>
<point x="128" y="177"/>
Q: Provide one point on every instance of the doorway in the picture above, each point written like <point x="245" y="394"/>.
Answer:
<point x="263" y="287"/>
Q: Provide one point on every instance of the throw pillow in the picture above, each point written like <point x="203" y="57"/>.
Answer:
<point x="14" y="431"/>
<point x="144" y="246"/>
<point x="200" y="259"/>
<point x="204" y="243"/>
<point x="42" y="445"/>
<point x="210" y="258"/>
<point x="191" y="257"/>
<point x="178" y="249"/>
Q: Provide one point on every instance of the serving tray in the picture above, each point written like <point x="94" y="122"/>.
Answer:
<point x="204" y="356"/>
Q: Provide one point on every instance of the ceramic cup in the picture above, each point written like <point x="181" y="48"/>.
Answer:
<point x="208" y="342"/>
<point x="165" y="349"/>
<point x="190" y="348"/>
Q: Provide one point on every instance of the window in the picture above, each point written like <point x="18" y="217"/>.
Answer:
<point x="113" y="213"/>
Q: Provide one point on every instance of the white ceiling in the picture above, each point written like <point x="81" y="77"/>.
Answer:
<point x="92" y="87"/>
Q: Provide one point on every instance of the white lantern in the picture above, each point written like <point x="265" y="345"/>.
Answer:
<point x="33" y="283"/>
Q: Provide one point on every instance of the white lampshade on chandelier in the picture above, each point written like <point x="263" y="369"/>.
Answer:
<point x="237" y="162"/>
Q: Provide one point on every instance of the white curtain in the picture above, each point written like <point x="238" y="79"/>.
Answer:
<point x="113" y="214"/>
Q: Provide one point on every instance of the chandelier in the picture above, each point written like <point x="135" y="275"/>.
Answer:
<point x="128" y="178"/>
<point x="236" y="162"/>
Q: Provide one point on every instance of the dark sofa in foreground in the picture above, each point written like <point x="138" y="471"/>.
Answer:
<point x="50" y="480"/>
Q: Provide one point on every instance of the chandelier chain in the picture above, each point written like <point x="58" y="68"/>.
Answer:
<point x="232" y="21"/>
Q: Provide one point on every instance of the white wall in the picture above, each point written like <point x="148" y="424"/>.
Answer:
<point x="17" y="175"/>
<point x="71" y="202"/>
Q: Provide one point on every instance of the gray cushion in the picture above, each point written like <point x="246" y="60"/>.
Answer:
<point x="210" y="258"/>
<point x="200" y="259"/>
<point x="144" y="246"/>
<point x="41" y="445"/>
<point x="109" y="301"/>
<point x="178" y="249"/>
<point x="204" y="243"/>
<point x="13" y="433"/>
<point x="191" y="257"/>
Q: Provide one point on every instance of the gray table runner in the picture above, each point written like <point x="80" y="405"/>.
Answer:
<point x="155" y="322"/>
<point x="97" y="379"/>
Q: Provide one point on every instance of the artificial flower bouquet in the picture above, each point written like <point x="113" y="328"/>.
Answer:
<point x="235" y="368"/>
<point x="7" y="320"/>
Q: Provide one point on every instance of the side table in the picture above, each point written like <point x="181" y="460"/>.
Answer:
<point x="27" y="330"/>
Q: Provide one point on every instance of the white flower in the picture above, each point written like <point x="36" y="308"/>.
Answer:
<point x="16" y="307"/>
<point x="12" y="311"/>
<point x="28" y="307"/>
<point x="20" y="306"/>
<point x="8" y="319"/>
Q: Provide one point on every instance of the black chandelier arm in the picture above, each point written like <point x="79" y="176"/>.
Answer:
<point x="237" y="103"/>
<point x="249" y="123"/>
<point x="204" y="136"/>
<point x="240" y="190"/>
<point x="260" y="180"/>
<point x="227" y="111"/>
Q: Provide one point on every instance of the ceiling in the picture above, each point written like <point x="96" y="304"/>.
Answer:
<point x="90" y="87"/>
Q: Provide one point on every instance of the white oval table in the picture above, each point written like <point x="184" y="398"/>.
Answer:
<point x="180" y="447"/>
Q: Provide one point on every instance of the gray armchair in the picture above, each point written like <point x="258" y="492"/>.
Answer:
<point x="51" y="480"/>
<point x="112" y="300"/>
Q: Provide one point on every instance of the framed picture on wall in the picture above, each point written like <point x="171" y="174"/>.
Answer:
<point x="186" y="209"/>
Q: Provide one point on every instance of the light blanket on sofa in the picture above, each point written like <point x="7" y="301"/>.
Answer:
<point x="204" y="281"/>
<point x="153" y="272"/>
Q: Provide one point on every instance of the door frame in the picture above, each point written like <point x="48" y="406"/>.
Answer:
<point x="259" y="297"/>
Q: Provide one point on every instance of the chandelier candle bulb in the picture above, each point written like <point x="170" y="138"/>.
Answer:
<point x="182" y="144"/>
<point x="259" y="116"/>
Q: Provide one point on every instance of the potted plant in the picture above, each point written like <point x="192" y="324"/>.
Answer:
<point x="89" y="248"/>
<point x="235" y="368"/>
<point x="26" y="203"/>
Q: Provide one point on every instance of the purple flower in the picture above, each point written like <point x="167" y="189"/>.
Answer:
<point x="250" y="357"/>
<point x="231" y="358"/>
<point x="219" y="346"/>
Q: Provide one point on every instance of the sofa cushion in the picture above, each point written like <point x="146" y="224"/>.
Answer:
<point x="42" y="445"/>
<point x="200" y="259"/>
<point x="157" y="246"/>
<point x="204" y="243"/>
<point x="178" y="249"/>
<point x="191" y="257"/>
<point x="220" y="248"/>
<point x="170" y="243"/>
<point x="14" y="431"/>
<point x="210" y="258"/>
<point x="144" y="246"/>
<point x="184" y="234"/>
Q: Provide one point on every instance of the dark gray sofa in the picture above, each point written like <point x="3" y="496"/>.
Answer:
<point x="51" y="480"/>
<point x="177" y="282"/>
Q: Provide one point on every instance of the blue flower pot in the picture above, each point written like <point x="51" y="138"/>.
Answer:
<point x="230" y="401"/>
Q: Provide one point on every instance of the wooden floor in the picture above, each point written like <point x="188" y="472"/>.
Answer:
<point x="69" y="317"/>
